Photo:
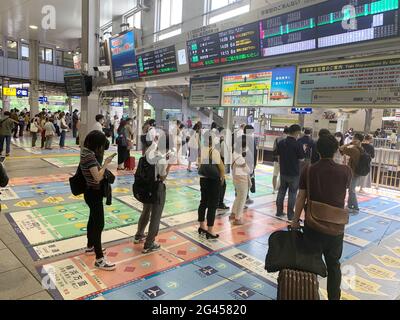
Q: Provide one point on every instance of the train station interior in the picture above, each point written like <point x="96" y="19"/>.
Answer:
<point x="281" y="95"/>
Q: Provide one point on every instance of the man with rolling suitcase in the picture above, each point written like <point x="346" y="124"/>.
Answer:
<point x="324" y="204"/>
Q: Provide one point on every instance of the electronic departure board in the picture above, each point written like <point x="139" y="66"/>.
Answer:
<point x="292" y="32"/>
<point x="345" y="22"/>
<point x="157" y="62"/>
<point x="233" y="45"/>
<point x="324" y="25"/>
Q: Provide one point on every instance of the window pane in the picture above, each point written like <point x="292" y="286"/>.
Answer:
<point x="12" y="49"/>
<point x="216" y="4"/>
<point x="68" y="60"/>
<point x="42" y="56"/>
<point x="59" y="58"/>
<point x="169" y="34"/>
<point x="24" y="52"/>
<point x="138" y="20"/>
<point x="49" y="55"/>
<point x="165" y="14"/>
<point x="229" y="14"/>
<point x="176" y="12"/>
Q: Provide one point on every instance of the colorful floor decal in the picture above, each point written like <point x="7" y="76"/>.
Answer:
<point x="52" y="225"/>
<point x="37" y="180"/>
<point x="209" y="278"/>
<point x="76" y="278"/>
<point x="44" y="225"/>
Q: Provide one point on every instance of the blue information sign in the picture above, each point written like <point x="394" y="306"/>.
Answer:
<point x="43" y="99"/>
<point x="22" y="93"/>
<point x="117" y="104"/>
<point x="302" y="110"/>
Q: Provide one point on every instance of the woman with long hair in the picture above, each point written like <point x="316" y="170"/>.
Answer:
<point x="93" y="172"/>
<point x="212" y="177"/>
<point x="123" y="142"/>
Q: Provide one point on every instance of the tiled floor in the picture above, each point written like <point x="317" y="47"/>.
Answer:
<point x="42" y="234"/>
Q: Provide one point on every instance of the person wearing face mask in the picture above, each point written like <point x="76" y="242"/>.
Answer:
<point x="290" y="154"/>
<point x="275" y="179"/>
<point x="339" y="157"/>
<point x="99" y="125"/>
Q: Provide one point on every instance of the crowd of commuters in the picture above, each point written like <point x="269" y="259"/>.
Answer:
<point x="302" y="167"/>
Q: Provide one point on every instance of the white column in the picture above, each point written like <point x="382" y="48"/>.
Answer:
<point x="140" y="116"/>
<point x="90" y="58"/>
<point x="343" y="123"/>
<point x="228" y="119"/>
<point x="34" y="76"/>
<point x="6" y="100"/>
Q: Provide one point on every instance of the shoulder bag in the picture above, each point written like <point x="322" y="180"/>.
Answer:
<point x="322" y="217"/>
<point x="209" y="170"/>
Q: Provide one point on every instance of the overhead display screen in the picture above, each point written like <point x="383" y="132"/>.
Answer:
<point x="205" y="92"/>
<point x="345" y="22"/>
<point x="123" y="57"/>
<point x="324" y="25"/>
<point x="233" y="45"/>
<point x="269" y="88"/>
<point x="157" y="62"/>
<point x="352" y="83"/>
<point x="292" y="32"/>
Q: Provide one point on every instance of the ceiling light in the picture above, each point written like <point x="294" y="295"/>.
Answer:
<point x="58" y="47"/>
<point x="33" y="27"/>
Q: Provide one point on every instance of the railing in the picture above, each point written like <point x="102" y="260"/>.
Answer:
<point x="382" y="143"/>
<point x="386" y="169"/>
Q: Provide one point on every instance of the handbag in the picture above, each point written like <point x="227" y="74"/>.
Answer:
<point x="292" y="250"/>
<point x="323" y="217"/>
<point x="210" y="170"/>
<point x="78" y="183"/>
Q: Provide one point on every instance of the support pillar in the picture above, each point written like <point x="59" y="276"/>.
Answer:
<point x="6" y="100"/>
<point x="228" y="119"/>
<point x="368" y="121"/>
<point x="131" y="106"/>
<point x="34" y="76"/>
<point x="343" y="123"/>
<point x="139" y="116"/>
<point x="90" y="58"/>
<point x="302" y="119"/>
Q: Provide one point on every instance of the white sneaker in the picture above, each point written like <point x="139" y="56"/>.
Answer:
<point x="103" y="264"/>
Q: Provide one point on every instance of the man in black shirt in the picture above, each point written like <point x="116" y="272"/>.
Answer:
<point x="290" y="153"/>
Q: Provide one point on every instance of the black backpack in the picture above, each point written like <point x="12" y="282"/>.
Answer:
<point x="364" y="164"/>
<point x="145" y="186"/>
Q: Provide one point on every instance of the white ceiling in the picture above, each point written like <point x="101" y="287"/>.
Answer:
<point x="17" y="15"/>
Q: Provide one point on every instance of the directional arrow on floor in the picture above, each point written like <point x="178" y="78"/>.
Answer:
<point x="26" y="204"/>
<point x="172" y="285"/>
<point x="54" y="200"/>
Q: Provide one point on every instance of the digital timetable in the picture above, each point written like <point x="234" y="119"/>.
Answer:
<point x="157" y="62"/>
<point x="233" y="45"/>
<point x="324" y="25"/>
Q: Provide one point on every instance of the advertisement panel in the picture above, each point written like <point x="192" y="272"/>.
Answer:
<point x="123" y="57"/>
<point x="269" y="88"/>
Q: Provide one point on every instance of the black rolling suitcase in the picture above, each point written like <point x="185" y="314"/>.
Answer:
<point x="297" y="285"/>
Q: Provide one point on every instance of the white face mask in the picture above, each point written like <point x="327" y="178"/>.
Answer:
<point x="338" y="139"/>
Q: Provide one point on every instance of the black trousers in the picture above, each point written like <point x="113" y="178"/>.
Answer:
<point x="210" y="191"/>
<point x="222" y="195"/>
<point x="94" y="199"/>
<point x="332" y="249"/>
<point x="123" y="154"/>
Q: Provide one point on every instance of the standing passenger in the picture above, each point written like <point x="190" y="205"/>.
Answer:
<point x="366" y="182"/>
<point x="212" y="177"/>
<point x="290" y="154"/>
<point x="93" y="172"/>
<point x="354" y="151"/>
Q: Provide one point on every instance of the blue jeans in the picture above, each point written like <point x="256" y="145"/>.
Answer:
<point x="353" y="203"/>
<point x="62" y="138"/>
<point x="8" y="144"/>
<point x="291" y="183"/>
